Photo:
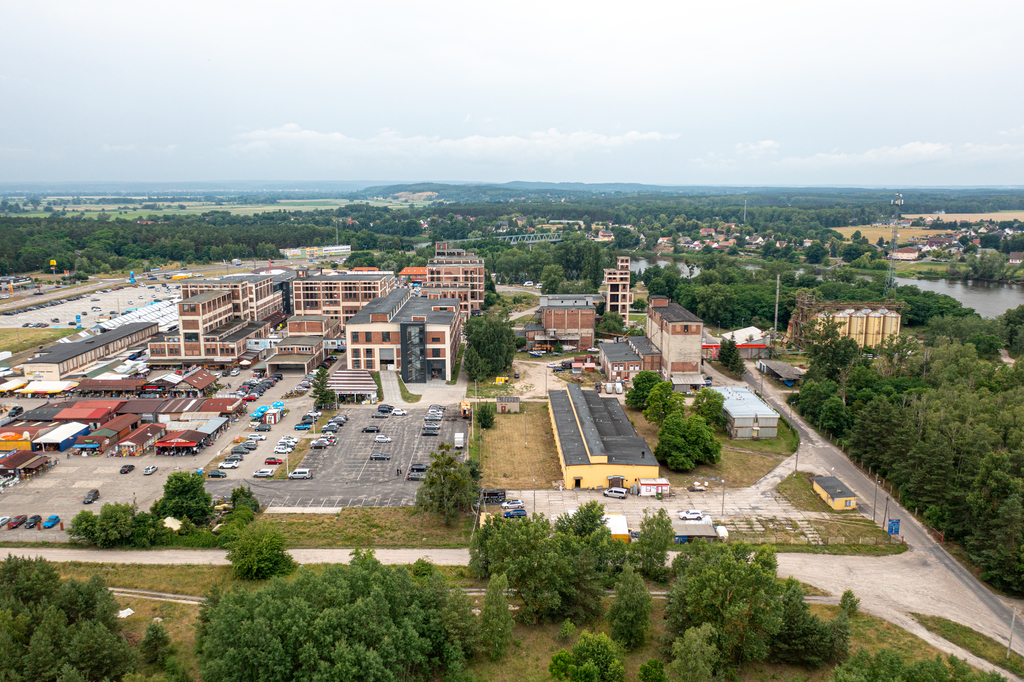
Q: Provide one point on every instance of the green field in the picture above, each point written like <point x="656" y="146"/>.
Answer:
<point x="18" y="339"/>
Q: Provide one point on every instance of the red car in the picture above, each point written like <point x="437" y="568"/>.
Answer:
<point x="273" y="460"/>
<point x="17" y="521"/>
<point x="249" y="398"/>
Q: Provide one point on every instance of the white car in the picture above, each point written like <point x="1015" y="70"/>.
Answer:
<point x="592" y="349"/>
<point x="554" y="365"/>
<point x="228" y="465"/>
<point x="148" y="471"/>
<point x="691" y="515"/>
<point x="398" y="413"/>
<point x="301" y="473"/>
<point x="314" y="413"/>
<point x="283" y="450"/>
<point x="380" y="438"/>
<point x="256" y="436"/>
<point x="4" y="520"/>
<point x="528" y="283"/>
<point x="263" y="473"/>
<point x="513" y="504"/>
<point x="234" y="372"/>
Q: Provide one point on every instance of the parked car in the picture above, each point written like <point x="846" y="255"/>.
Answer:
<point x="232" y="464"/>
<point x="371" y="429"/>
<point x="288" y="439"/>
<point x="691" y="515"/>
<point x="515" y="514"/>
<point x="33" y="521"/>
<point x="513" y="504"/>
<point x="330" y="428"/>
<point x="4" y="520"/>
<point x="418" y="467"/>
<point x="16" y="521"/>
<point x="256" y="436"/>
<point x="51" y="521"/>
<point x="301" y="473"/>
<point x="250" y="445"/>
<point x="148" y="471"/>
<point x="399" y="413"/>
<point x="273" y="460"/>
<point x="263" y="473"/>
<point x="615" y="492"/>
<point x="283" y="450"/>
<point x="303" y="427"/>
<point x="698" y="488"/>
<point x="127" y="468"/>
<point x="379" y="415"/>
<point x="379" y="456"/>
<point x="415" y="476"/>
<point x="384" y="407"/>
<point x="380" y="438"/>
<point x="263" y="428"/>
<point x="217" y="473"/>
<point x="91" y="496"/>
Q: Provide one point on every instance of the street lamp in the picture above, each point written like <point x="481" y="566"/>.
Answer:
<point x="873" y="500"/>
<point x="723" y="500"/>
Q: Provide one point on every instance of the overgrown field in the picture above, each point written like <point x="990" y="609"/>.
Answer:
<point x="371" y="527"/>
<point x="512" y="459"/>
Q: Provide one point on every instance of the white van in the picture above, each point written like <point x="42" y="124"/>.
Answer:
<point x="528" y="283"/>
<point x="723" y="533"/>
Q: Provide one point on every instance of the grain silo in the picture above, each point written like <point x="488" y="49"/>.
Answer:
<point x="891" y="324"/>
<point x="873" y="336"/>
<point x="858" y="326"/>
<point x="843" y="319"/>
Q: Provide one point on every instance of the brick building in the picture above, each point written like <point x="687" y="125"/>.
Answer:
<point x="563" y="319"/>
<point x="253" y="297"/>
<point x="453" y="273"/>
<point x="338" y="297"/>
<point x="210" y="331"/>
<point x="414" y="335"/>
<point x="618" y="298"/>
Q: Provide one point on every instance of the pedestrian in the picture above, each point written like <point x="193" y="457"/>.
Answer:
<point x="399" y="471"/>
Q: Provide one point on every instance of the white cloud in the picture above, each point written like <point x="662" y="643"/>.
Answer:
<point x="757" y="149"/>
<point x="909" y="153"/>
<point x="1019" y="130"/>
<point x="391" y="144"/>
<point x="118" y="148"/>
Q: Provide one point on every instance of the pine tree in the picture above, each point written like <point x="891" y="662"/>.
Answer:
<point x="729" y="356"/>
<point x="496" y="620"/>
<point x="155" y="643"/>
<point x="630" y="613"/>
<point x="322" y="396"/>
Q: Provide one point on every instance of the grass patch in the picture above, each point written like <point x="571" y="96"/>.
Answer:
<point x="727" y="372"/>
<point x="510" y="462"/>
<point x="458" y="366"/>
<point x="980" y="645"/>
<point x="784" y="446"/>
<point x="190" y="579"/>
<point x="179" y="620"/>
<point x="406" y="395"/>
<point x="797" y="489"/>
<point x="18" y="339"/>
<point x="380" y="389"/>
<point x="489" y="389"/>
<point x="405" y="527"/>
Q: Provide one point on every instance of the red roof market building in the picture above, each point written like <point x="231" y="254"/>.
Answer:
<point x="92" y="416"/>
<point x="140" y="441"/>
<point x="112" y="387"/>
<point x="181" y="443"/>
<point x="122" y="425"/>
<point x="225" y="407"/>
<point x="25" y="464"/>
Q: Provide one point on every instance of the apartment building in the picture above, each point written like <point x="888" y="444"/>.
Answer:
<point x="414" y="335"/>
<point x="253" y="297"/>
<point x="618" y="298"/>
<point x="454" y="274"/>
<point x="340" y="296"/>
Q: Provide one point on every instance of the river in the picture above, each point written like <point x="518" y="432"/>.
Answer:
<point x="989" y="299"/>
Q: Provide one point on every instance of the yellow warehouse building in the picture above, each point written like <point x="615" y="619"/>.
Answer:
<point x="597" y="445"/>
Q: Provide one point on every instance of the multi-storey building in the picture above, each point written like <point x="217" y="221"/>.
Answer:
<point x="253" y="297"/>
<point x="618" y="298"/>
<point x="418" y="336"/>
<point x="210" y="331"/>
<point x="338" y="296"/>
<point x="565" y="320"/>
<point x="453" y="273"/>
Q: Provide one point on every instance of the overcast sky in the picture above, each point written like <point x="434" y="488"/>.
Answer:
<point x="673" y="92"/>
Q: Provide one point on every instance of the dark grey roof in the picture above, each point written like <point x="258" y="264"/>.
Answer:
<point x="619" y="352"/>
<point x="643" y="345"/>
<point x="534" y="327"/>
<point x="783" y="369"/>
<point x="414" y="306"/>
<point x="207" y="296"/>
<point x="673" y="312"/>
<point x="61" y="352"/>
<point x="835" y="488"/>
<point x="587" y="422"/>
<point x="42" y="414"/>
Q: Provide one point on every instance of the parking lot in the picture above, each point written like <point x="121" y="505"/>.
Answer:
<point x="108" y="304"/>
<point x="343" y="474"/>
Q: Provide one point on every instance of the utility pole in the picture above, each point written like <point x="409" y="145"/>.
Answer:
<point x="1009" y="644"/>
<point x="885" y="521"/>
<point x="744" y="211"/>
<point x="874" y="499"/>
<point x="775" y="327"/>
<point x="890" y="275"/>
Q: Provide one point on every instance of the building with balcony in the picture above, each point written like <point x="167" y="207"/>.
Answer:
<point x="253" y="297"/>
<point x="414" y="335"/>
<point x="338" y="297"/>
<point x="454" y="274"/>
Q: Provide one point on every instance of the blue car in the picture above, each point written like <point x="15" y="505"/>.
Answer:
<point x="302" y="427"/>
<point x="51" y="522"/>
<point x="515" y="513"/>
